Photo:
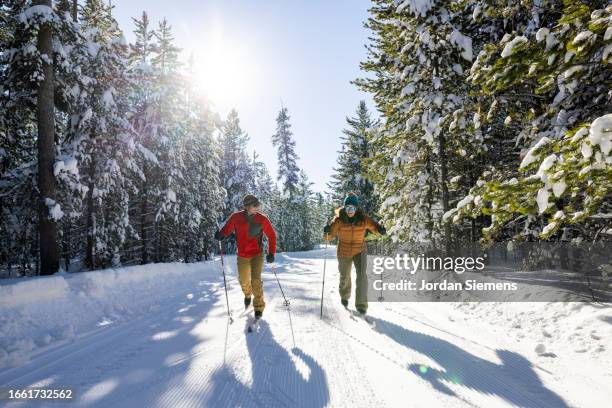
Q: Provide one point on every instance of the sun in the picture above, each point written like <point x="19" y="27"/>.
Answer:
<point x="223" y="73"/>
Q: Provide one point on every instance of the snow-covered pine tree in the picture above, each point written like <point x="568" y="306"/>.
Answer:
<point x="288" y="171"/>
<point x="418" y="56"/>
<point x="350" y="173"/>
<point x="560" y="64"/>
<point x="262" y="184"/>
<point x="236" y="171"/>
<point x="310" y="225"/>
<point x="169" y="132"/>
<point x="144" y="121"/>
<point x="70" y="81"/>
<point x="103" y="141"/>
<point x="489" y="141"/>
<point x="199" y="193"/>
<point x="21" y="73"/>
<point x="18" y="73"/>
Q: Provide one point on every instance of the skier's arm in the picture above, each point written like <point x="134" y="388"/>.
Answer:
<point x="333" y="230"/>
<point x="228" y="228"/>
<point x="373" y="226"/>
<point x="271" y="234"/>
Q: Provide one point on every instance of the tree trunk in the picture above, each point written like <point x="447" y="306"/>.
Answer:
<point x="89" y="253"/>
<point x="67" y="247"/>
<point x="49" y="252"/>
<point x="75" y="10"/>
<point x="143" y="218"/>
<point x="443" y="181"/>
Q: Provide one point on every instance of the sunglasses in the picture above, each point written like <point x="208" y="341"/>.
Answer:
<point x="350" y="208"/>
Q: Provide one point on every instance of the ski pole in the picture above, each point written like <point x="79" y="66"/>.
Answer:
<point x="324" y="264"/>
<point x="229" y="314"/>
<point x="279" y="285"/>
<point x="286" y="303"/>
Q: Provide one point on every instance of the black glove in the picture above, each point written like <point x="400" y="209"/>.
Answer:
<point x="218" y="235"/>
<point x="327" y="229"/>
<point x="382" y="230"/>
<point x="270" y="258"/>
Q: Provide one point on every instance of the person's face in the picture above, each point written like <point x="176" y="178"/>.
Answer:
<point x="252" y="209"/>
<point x="350" y="210"/>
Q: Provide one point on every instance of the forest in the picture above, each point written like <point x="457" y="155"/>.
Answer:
<point x="492" y="122"/>
<point x="109" y="158"/>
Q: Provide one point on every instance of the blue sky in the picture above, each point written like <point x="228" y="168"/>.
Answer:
<point x="256" y="54"/>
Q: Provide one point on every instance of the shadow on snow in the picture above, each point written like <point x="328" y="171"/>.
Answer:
<point x="276" y="380"/>
<point x="514" y="379"/>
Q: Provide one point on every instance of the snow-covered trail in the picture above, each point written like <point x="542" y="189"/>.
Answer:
<point x="185" y="354"/>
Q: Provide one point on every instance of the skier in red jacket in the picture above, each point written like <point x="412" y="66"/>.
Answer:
<point x="250" y="225"/>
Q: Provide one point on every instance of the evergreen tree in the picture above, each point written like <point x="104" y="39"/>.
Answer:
<point x="236" y="171"/>
<point x="350" y="174"/>
<point x="262" y="185"/>
<point x="288" y="171"/>
<point x="418" y="57"/>
<point x="105" y="143"/>
<point x="559" y="64"/>
<point x="199" y="193"/>
<point x="18" y="218"/>
<point x="144" y="121"/>
<point x="168" y="100"/>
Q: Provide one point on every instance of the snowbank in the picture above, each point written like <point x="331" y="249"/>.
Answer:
<point x="39" y="311"/>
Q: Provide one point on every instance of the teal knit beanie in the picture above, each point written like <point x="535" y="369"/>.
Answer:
<point x="351" y="199"/>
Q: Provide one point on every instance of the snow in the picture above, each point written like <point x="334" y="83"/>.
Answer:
<point x="542" y="33"/>
<point x="67" y="164"/>
<point x="464" y="42"/>
<point x="546" y="164"/>
<point x="559" y="187"/>
<point x="586" y="150"/>
<point x="477" y="11"/>
<point x="171" y="196"/>
<point x="573" y="70"/>
<point x="418" y="7"/>
<point x="41" y="310"/>
<point x="606" y="52"/>
<point x="158" y="336"/>
<point x="542" y="199"/>
<point x="548" y="228"/>
<point x="582" y="37"/>
<point x="515" y="42"/>
<point x="41" y="12"/>
<point x="107" y="99"/>
<point x="600" y="133"/>
<point x="55" y="210"/>
<point x="530" y="156"/>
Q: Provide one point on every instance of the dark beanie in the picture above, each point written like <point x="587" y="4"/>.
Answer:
<point x="250" y="199"/>
<point x="351" y="199"/>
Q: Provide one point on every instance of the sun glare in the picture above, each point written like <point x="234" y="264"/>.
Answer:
<point x="224" y="73"/>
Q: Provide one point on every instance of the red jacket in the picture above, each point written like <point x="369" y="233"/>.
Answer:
<point x="249" y="233"/>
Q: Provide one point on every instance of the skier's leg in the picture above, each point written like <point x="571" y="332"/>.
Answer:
<point x="344" y="266"/>
<point x="244" y="275"/>
<point x="256" y="268"/>
<point x="361" y="292"/>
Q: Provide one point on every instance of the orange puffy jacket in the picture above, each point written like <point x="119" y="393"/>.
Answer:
<point x="351" y="232"/>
